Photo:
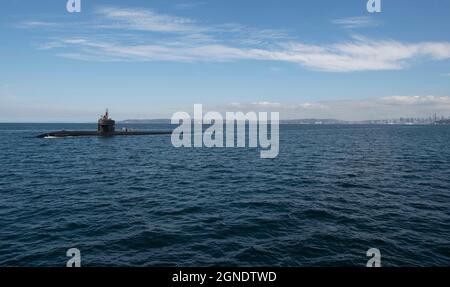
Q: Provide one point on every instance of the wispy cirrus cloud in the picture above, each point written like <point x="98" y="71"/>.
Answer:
<point x="359" y="55"/>
<point x="145" y="35"/>
<point x="356" y="22"/>
<point x="146" y="20"/>
<point x="36" y="24"/>
<point x="188" y="5"/>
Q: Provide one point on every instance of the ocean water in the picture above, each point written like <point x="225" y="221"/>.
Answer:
<point x="332" y="193"/>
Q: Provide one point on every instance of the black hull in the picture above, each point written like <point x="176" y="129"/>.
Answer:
<point x="63" y="134"/>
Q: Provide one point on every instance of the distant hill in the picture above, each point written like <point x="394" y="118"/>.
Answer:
<point x="400" y="121"/>
<point x="298" y="121"/>
<point x="145" y="121"/>
<point x="314" y="122"/>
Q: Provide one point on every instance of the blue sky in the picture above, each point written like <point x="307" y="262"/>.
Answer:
<point x="149" y="59"/>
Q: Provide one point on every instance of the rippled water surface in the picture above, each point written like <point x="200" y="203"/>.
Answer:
<point x="333" y="193"/>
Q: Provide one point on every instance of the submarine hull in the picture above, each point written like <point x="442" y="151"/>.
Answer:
<point x="64" y="134"/>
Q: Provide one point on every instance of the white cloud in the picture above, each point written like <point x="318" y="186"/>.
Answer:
<point x="356" y="22"/>
<point x="358" y="55"/>
<point x="266" y="104"/>
<point x="146" y="20"/>
<point x="37" y="24"/>
<point x="21" y="108"/>
<point x="188" y="5"/>
<point x="313" y="106"/>
<point x="417" y="100"/>
<point x="75" y="41"/>
<point x="353" y="110"/>
<point x="181" y="39"/>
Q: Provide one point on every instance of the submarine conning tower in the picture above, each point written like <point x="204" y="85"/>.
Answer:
<point x="105" y="124"/>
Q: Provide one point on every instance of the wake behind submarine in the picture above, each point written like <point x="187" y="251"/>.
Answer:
<point x="106" y="128"/>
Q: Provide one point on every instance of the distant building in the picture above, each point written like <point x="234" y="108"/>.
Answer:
<point x="443" y="122"/>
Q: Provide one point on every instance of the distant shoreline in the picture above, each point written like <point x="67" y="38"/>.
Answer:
<point x="401" y="121"/>
<point x="282" y="122"/>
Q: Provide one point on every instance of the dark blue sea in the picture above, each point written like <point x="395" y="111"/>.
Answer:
<point x="333" y="192"/>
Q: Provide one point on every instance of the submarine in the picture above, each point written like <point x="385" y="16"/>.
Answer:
<point x="106" y="128"/>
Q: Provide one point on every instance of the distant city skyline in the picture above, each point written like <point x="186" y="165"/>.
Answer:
<point x="149" y="59"/>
